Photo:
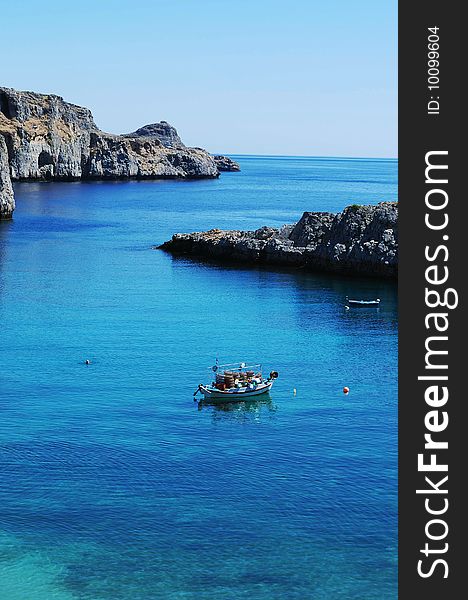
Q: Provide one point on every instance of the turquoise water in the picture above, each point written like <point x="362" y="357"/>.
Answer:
<point x="114" y="484"/>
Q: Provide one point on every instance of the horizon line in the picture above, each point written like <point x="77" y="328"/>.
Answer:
<point x="322" y="156"/>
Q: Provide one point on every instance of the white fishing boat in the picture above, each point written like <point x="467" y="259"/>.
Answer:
<point x="363" y="303"/>
<point x="236" y="382"/>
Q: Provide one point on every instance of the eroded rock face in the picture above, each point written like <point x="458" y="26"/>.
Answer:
<point x="310" y="231"/>
<point x="116" y="157"/>
<point x="224" y="163"/>
<point x="48" y="138"/>
<point x="359" y="240"/>
<point x="7" y="201"/>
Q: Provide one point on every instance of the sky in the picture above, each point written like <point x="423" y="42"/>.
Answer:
<point x="295" y="77"/>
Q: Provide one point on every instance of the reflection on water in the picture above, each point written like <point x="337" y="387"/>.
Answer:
<point x="253" y="410"/>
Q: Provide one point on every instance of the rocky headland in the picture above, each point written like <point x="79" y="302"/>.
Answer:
<point x="224" y="163"/>
<point x="361" y="240"/>
<point x="42" y="137"/>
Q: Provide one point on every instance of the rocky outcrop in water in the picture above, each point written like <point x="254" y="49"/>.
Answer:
<point x="224" y="163"/>
<point x="7" y="201"/>
<point x="48" y="138"/>
<point x="360" y="240"/>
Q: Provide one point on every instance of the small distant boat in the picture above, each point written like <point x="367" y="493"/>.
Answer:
<point x="236" y="382"/>
<point x="363" y="303"/>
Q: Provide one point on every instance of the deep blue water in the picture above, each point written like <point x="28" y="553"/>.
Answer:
<point x="114" y="484"/>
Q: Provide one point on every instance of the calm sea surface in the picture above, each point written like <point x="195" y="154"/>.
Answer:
<point x="114" y="484"/>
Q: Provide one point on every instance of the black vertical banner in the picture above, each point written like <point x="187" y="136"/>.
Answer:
<point x="433" y="363"/>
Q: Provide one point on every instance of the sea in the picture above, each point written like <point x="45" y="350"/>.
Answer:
<point x="114" y="483"/>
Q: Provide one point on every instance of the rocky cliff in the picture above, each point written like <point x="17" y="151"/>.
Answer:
<point x="48" y="138"/>
<point x="7" y="202"/>
<point x="360" y="240"/>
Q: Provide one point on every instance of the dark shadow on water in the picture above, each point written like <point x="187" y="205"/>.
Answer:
<point x="248" y="411"/>
<point x="5" y="229"/>
<point x="310" y="286"/>
<point x="5" y="226"/>
<point x="318" y="298"/>
<point x="228" y="265"/>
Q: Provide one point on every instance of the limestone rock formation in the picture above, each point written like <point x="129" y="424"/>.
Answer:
<point x="48" y="138"/>
<point x="116" y="157"/>
<point x="359" y="240"/>
<point x="224" y="163"/>
<point x="7" y="202"/>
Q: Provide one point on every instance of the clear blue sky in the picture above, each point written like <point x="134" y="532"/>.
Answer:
<point x="302" y="77"/>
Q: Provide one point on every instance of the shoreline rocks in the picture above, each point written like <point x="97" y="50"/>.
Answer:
<point x="361" y="240"/>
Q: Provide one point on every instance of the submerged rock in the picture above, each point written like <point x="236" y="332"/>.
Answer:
<point x="224" y="163"/>
<point x="360" y="240"/>
<point x="7" y="201"/>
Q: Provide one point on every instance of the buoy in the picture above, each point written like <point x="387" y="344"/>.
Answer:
<point x="294" y="391"/>
<point x="346" y="390"/>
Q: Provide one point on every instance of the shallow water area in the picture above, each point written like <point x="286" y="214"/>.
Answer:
<point x="114" y="483"/>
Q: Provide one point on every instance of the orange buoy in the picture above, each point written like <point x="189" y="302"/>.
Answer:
<point x="346" y="390"/>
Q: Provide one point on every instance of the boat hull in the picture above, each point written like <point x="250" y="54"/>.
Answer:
<point x="363" y="303"/>
<point x="235" y="395"/>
